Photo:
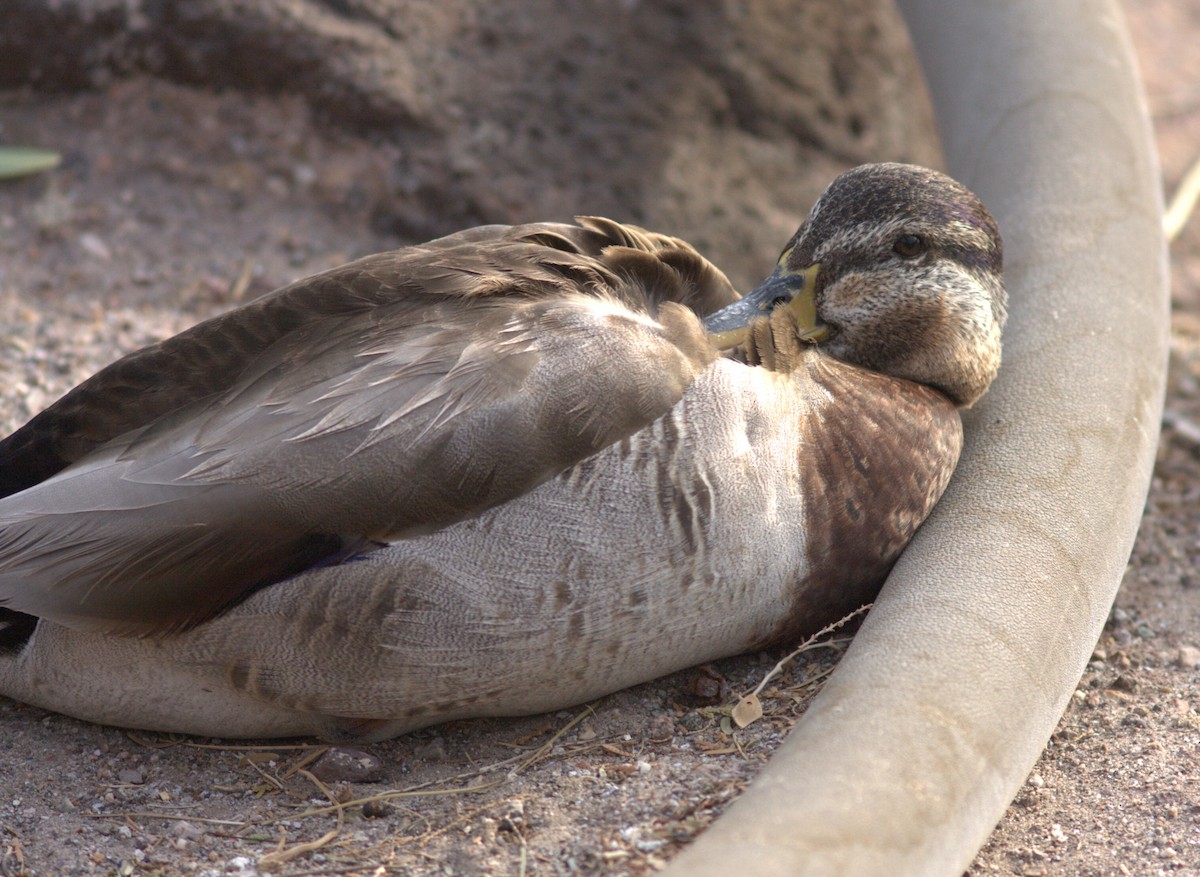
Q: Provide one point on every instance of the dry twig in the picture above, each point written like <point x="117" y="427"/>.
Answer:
<point x="1183" y="203"/>
<point x="281" y="855"/>
<point x="749" y="709"/>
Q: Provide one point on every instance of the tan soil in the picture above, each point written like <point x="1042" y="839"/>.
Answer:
<point x="173" y="203"/>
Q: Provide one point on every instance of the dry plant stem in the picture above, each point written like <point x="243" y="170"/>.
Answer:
<point x="455" y="823"/>
<point x="12" y="854"/>
<point x="237" y="290"/>
<point x="1183" y="203"/>
<point x="281" y="855"/>
<point x="341" y="808"/>
<point x="808" y="645"/>
<point x="230" y="747"/>
<point x="305" y="760"/>
<point x="329" y="872"/>
<point x="270" y="780"/>
<point x="417" y="792"/>
<point x="145" y="814"/>
<point x="748" y="709"/>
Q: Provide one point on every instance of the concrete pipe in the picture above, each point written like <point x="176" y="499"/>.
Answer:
<point x="906" y="760"/>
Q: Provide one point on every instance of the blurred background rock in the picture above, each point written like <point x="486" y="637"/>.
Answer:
<point x="718" y="120"/>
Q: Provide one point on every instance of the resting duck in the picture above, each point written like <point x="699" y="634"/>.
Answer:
<point x="498" y="473"/>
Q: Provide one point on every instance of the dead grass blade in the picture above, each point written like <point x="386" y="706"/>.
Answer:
<point x="1183" y="202"/>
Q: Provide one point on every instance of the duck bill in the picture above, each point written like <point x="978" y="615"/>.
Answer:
<point x="804" y="308"/>
<point x="730" y="326"/>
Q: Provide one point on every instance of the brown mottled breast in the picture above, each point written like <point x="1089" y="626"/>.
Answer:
<point x="876" y="459"/>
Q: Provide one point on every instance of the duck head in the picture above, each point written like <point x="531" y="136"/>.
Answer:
<point x="897" y="269"/>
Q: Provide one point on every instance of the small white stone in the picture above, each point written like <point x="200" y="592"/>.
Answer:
<point x="241" y="866"/>
<point x="94" y="246"/>
<point x="1187" y="657"/>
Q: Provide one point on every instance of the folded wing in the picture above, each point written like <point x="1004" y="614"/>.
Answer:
<point x="380" y="400"/>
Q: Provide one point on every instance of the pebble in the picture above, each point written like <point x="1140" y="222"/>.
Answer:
<point x="661" y="727"/>
<point x="343" y="765"/>
<point x="94" y="246"/>
<point x="706" y="687"/>
<point x="131" y="775"/>
<point x="512" y="816"/>
<point x="240" y="866"/>
<point x="1188" y="657"/>
<point x="434" y="750"/>
<point x="186" y="830"/>
<point x="376" y="809"/>
<point x="1124" y="683"/>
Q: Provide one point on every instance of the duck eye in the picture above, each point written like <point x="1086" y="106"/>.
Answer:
<point x="908" y="246"/>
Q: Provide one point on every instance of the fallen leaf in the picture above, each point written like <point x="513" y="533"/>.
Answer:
<point x="748" y="710"/>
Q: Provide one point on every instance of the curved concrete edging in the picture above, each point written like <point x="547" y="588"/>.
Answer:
<point x="909" y="756"/>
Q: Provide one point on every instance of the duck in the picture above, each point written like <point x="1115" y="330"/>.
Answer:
<point x="499" y="473"/>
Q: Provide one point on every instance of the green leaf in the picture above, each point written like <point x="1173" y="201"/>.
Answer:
<point x="16" y="161"/>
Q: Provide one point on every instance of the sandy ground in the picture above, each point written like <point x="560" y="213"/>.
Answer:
<point x="136" y="237"/>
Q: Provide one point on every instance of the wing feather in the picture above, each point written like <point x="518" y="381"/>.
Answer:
<point x="380" y="400"/>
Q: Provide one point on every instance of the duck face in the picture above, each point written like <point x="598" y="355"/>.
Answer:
<point x="909" y="282"/>
<point x="898" y="269"/>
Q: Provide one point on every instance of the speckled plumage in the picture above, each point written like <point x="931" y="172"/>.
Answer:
<point x="943" y="328"/>
<point x="497" y="473"/>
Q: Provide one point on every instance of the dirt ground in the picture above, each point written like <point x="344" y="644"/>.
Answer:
<point x="136" y="237"/>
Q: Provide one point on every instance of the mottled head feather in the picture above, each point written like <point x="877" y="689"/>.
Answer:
<point x="934" y="317"/>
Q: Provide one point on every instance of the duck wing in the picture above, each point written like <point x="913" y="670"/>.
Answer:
<point x="386" y="398"/>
